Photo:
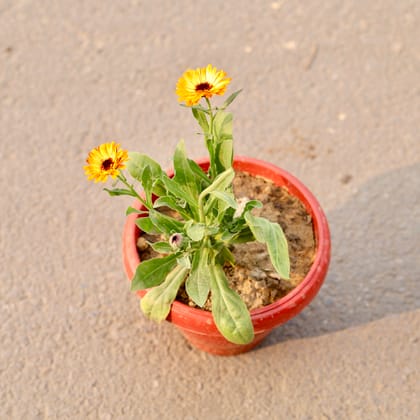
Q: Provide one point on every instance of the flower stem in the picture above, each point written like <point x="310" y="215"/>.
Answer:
<point x="124" y="180"/>
<point x="210" y="141"/>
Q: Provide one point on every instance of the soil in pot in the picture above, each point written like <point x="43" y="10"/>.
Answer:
<point x="253" y="276"/>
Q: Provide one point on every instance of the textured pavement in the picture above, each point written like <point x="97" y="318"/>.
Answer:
<point x="331" y="94"/>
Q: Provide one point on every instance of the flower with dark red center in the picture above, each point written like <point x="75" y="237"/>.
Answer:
<point x="201" y="83"/>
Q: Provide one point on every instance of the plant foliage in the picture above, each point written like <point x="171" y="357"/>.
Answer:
<point x="196" y="244"/>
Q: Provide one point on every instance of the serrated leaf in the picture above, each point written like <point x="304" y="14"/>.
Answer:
<point x="272" y="235"/>
<point x="157" y="302"/>
<point x="197" y="284"/>
<point x="152" y="272"/>
<point x="230" y="313"/>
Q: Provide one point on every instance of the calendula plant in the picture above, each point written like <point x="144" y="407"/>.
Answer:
<point x="209" y="220"/>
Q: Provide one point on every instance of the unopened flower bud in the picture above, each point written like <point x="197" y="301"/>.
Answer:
<point x="175" y="240"/>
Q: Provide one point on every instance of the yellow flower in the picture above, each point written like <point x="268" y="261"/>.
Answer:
<point x="205" y="82"/>
<point x="105" y="160"/>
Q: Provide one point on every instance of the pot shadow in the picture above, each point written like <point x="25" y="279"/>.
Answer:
<point x="375" y="262"/>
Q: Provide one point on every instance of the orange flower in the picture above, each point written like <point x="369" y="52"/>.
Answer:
<point x="202" y="82"/>
<point x="105" y="160"/>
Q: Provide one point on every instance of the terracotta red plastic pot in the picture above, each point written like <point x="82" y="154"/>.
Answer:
<point x="198" y="325"/>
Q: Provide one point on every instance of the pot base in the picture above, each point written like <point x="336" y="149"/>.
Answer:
<point x="218" y="345"/>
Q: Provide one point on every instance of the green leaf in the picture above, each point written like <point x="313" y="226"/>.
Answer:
<point x="226" y="197"/>
<point x="222" y="125"/>
<point x="218" y="203"/>
<point x="272" y="235"/>
<point x="230" y="313"/>
<point x="179" y="192"/>
<point x="184" y="261"/>
<point x="223" y="147"/>
<point x="165" y="223"/>
<point x="162" y="247"/>
<point x="230" y="99"/>
<point x="198" y="282"/>
<point x="203" y="180"/>
<point x="131" y="210"/>
<point x="224" y="153"/>
<point x="220" y="183"/>
<point x="199" y="106"/>
<point x="183" y="174"/>
<point x="201" y="116"/>
<point x="137" y="162"/>
<point x="147" y="184"/>
<point x="225" y="255"/>
<point x="252" y="204"/>
<point x="152" y="272"/>
<point x="146" y="225"/>
<point x="157" y="302"/>
<point x="171" y="202"/>
<point x="196" y="231"/>
<point x="158" y="187"/>
<point x="175" y="204"/>
<point x="244" y="235"/>
<point x="119" y="191"/>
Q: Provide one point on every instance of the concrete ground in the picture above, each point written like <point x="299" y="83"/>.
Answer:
<point x="331" y="93"/>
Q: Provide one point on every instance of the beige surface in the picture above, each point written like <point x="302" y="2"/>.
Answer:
<point x="331" y="93"/>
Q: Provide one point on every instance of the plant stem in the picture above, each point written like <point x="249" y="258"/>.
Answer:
<point x="210" y="141"/>
<point x="201" y="214"/>
<point x="124" y="180"/>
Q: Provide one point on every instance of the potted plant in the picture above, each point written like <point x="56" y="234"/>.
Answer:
<point x="197" y="221"/>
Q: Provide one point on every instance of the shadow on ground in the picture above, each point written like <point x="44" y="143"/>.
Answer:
<point x="375" y="265"/>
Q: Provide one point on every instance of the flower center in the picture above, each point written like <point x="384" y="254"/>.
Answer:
<point x="203" y="86"/>
<point x="107" y="164"/>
